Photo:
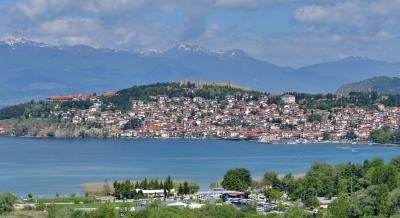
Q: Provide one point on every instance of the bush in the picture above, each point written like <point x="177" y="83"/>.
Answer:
<point x="7" y="201"/>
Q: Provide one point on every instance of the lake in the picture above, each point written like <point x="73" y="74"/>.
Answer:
<point x="46" y="166"/>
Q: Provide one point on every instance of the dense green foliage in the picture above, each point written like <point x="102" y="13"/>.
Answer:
<point x="219" y="92"/>
<point x="15" y="111"/>
<point x="372" y="187"/>
<point x="351" y="135"/>
<point x="27" y="110"/>
<point x="314" y="117"/>
<point x="326" y="136"/>
<point x="82" y="105"/>
<point x="7" y="201"/>
<point x="363" y="190"/>
<point x="158" y="210"/>
<point x="133" y="124"/>
<point x="187" y="188"/>
<point x="238" y="179"/>
<point x="118" y="102"/>
<point x="146" y="93"/>
<point x="384" y="136"/>
<point x="329" y="101"/>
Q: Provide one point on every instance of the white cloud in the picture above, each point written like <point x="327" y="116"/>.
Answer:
<point x="67" y="25"/>
<point x="34" y="9"/>
<point x="249" y="4"/>
<point x="328" y="29"/>
<point x="368" y="16"/>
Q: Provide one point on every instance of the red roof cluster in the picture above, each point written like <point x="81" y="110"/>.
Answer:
<point x="78" y="97"/>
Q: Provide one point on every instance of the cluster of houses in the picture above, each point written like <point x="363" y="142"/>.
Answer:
<point x="77" y="97"/>
<point x="232" y="118"/>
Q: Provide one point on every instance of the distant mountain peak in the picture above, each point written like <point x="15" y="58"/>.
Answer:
<point x="14" y="41"/>
<point x="356" y="58"/>
<point x="186" y="48"/>
<point x="235" y="53"/>
<point x="189" y="48"/>
<point x="151" y="52"/>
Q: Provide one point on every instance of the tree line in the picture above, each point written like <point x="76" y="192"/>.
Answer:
<point x="127" y="189"/>
<point x="362" y="190"/>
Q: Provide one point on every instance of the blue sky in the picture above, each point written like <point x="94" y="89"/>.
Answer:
<point x="285" y="32"/>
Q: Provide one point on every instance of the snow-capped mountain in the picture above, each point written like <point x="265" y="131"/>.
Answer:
<point x="192" y="49"/>
<point x="32" y="70"/>
<point x="19" y="41"/>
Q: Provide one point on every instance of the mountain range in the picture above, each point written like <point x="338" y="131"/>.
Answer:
<point x="382" y="85"/>
<point x="32" y="70"/>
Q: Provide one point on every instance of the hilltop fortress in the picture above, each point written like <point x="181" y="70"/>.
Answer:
<point x="200" y="84"/>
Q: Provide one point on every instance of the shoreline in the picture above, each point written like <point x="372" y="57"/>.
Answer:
<point x="288" y="142"/>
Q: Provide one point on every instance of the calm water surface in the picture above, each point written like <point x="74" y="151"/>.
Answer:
<point x="47" y="166"/>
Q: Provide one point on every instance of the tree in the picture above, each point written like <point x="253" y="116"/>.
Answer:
<point x="168" y="184"/>
<point x="371" y="201"/>
<point x="7" y="201"/>
<point x="288" y="183"/>
<point x="30" y="196"/>
<point x="340" y="207"/>
<point x="186" y="189"/>
<point x="214" y="185"/>
<point x="395" y="162"/>
<point x="180" y="190"/>
<point x="238" y="179"/>
<point x="326" y="136"/>
<point x="314" y="118"/>
<point x="351" y="135"/>
<point x="394" y="202"/>
<point x="273" y="194"/>
<point x="383" y="175"/>
<point x="271" y="179"/>
<point x="133" y="124"/>
<point x="382" y="136"/>
<point x="321" y="178"/>
<point x="311" y="202"/>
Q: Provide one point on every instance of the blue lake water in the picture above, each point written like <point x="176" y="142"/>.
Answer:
<point x="47" y="166"/>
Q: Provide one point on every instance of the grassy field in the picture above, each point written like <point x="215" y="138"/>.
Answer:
<point x="95" y="205"/>
<point x="61" y="207"/>
<point x="24" y="214"/>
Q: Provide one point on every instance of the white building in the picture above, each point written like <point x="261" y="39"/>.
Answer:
<point x="289" y="99"/>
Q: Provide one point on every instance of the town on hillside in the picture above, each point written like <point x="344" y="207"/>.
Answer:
<point x="218" y="110"/>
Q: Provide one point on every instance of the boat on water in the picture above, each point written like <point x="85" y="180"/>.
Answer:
<point x="291" y="142"/>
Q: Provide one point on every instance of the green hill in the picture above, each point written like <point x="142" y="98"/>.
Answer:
<point x="382" y="85"/>
<point x="175" y="89"/>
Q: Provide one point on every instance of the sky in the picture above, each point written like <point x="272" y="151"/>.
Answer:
<point x="285" y="32"/>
